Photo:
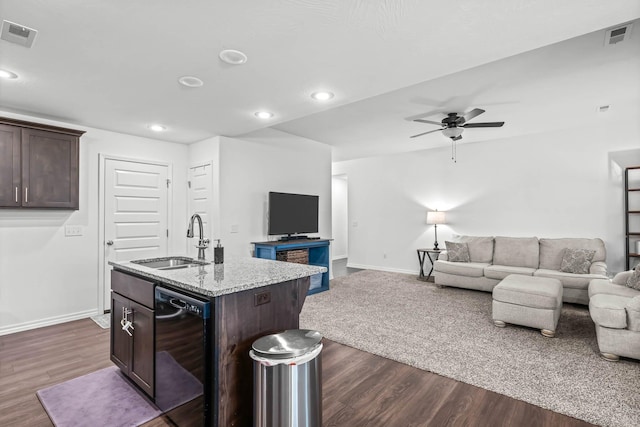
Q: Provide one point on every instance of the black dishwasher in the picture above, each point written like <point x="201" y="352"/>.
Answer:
<point x="183" y="358"/>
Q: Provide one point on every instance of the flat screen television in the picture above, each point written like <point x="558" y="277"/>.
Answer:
<point x="292" y="214"/>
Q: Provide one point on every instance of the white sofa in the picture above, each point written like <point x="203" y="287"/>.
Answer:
<point x="615" y="310"/>
<point x="494" y="258"/>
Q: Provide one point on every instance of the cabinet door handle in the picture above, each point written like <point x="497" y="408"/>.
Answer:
<point x="26" y="194"/>
<point x="16" y="194"/>
<point x="125" y="322"/>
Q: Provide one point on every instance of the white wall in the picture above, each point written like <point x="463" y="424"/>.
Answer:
<point x="268" y="161"/>
<point x="339" y="217"/>
<point x="565" y="184"/>
<point x="48" y="278"/>
<point x="205" y="151"/>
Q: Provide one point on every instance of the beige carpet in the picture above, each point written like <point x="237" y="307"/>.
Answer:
<point x="449" y="331"/>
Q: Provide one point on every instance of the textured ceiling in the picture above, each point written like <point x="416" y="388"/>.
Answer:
<point x="114" y="64"/>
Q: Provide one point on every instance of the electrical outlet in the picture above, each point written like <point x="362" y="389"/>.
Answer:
<point x="234" y="228"/>
<point x="384" y="256"/>
<point x="262" y="298"/>
<point x="72" y="230"/>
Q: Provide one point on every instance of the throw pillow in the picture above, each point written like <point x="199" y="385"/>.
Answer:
<point x="457" y="252"/>
<point x="576" y="261"/>
<point x="634" y="280"/>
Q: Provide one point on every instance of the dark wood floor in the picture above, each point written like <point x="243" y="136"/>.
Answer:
<point x="359" y="389"/>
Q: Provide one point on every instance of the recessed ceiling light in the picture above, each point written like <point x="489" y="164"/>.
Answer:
<point x="7" y="74"/>
<point x="322" y="95"/>
<point x="264" y="114"/>
<point x="603" y="108"/>
<point x="157" y="128"/>
<point x="190" y="81"/>
<point x="233" y="57"/>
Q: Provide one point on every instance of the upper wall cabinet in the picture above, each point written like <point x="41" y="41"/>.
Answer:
<point x="39" y="165"/>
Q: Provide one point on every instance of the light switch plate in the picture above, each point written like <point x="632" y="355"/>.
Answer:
<point x="234" y="228"/>
<point x="72" y="230"/>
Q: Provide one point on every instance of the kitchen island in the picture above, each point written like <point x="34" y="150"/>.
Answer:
<point x="246" y="298"/>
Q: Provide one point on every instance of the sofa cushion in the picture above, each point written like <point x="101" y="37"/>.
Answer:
<point x="529" y="291"/>
<point x="569" y="280"/>
<point x="516" y="251"/>
<point x="552" y="250"/>
<point x="609" y="310"/>
<point x="501" y="271"/>
<point x="576" y="261"/>
<point x="634" y="280"/>
<point x="457" y="252"/>
<point x="469" y="269"/>
<point x="480" y="248"/>
<point x="603" y="286"/>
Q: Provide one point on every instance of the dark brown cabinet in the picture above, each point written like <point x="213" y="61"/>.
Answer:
<point x="237" y="320"/>
<point x="10" y="184"/>
<point x="132" y="349"/>
<point x="39" y="165"/>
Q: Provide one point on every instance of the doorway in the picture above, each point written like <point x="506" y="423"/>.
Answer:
<point x="200" y="202"/>
<point x="134" y="215"/>
<point x="340" y="225"/>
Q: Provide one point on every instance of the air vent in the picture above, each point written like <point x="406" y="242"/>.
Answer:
<point x="617" y="34"/>
<point x="18" y="34"/>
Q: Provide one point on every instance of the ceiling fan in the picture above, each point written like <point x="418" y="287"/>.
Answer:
<point x="453" y="124"/>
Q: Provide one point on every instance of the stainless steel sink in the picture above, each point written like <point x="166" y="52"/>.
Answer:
<point x="170" y="263"/>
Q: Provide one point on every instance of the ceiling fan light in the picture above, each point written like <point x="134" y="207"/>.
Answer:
<point x="452" y="132"/>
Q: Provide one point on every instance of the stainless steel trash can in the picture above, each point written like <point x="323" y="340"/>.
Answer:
<point x="287" y="379"/>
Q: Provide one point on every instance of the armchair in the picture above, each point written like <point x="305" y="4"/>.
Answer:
<point x="615" y="310"/>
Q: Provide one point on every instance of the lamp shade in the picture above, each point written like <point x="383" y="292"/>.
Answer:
<point x="435" y="217"/>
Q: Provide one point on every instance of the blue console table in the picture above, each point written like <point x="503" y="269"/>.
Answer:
<point x="318" y="251"/>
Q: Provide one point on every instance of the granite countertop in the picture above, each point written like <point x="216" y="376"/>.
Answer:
<point x="234" y="275"/>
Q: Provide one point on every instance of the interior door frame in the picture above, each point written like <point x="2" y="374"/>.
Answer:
<point x="190" y="210"/>
<point x="104" y="305"/>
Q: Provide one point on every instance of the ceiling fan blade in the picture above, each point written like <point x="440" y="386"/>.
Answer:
<point x="424" y="133"/>
<point x="428" y="121"/>
<point x="471" y="114"/>
<point x="483" y="125"/>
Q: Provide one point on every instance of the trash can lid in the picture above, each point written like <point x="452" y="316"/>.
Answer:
<point x="290" y="343"/>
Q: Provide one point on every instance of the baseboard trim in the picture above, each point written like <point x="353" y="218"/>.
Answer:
<point x="338" y="257"/>
<point x="379" y="268"/>
<point x="34" y="324"/>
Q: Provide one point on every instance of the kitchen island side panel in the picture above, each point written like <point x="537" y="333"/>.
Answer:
<point x="242" y="318"/>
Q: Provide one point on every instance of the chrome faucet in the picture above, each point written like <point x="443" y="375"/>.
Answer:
<point x="202" y="243"/>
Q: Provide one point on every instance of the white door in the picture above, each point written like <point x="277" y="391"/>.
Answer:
<point x="135" y="214"/>
<point x="201" y="202"/>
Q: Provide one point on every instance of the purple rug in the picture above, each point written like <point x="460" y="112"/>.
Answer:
<point x="102" y="398"/>
<point x="176" y="386"/>
<point x="106" y="398"/>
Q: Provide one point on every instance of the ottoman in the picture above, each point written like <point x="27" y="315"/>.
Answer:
<point x="528" y="301"/>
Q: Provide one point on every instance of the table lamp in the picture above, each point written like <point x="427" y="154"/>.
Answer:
<point x="435" y="217"/>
